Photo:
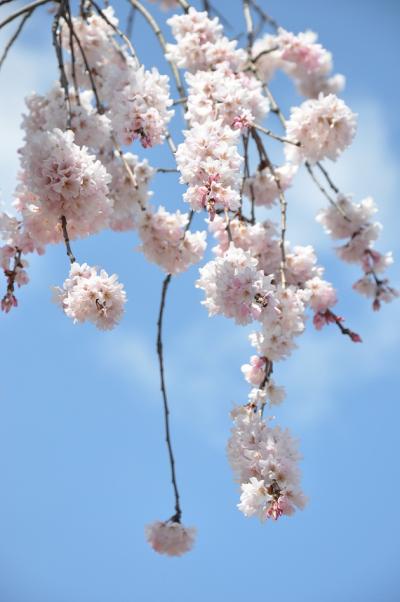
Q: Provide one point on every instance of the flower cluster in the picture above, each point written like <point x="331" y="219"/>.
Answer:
<point x="201" y="44"/>
<point x="88" y="296"/>
<point x="324" y="127"/>
<point x="301" y="58"/>
<point x="348" y="220"/>
<point x="77" y="179"/>
<point x="49" y="111"/>
<point x="129" y="190"/>
<point x="139" y="105"/>
<point x="264" y="461"/>
<point x="170" y="537"/>
<point x="235" y="288"/>
<point x="209" y="163"/>
<point x="235" y="98"/>
<point x="262" y="188"/>
<point x="167" y="242"/>
<point x="61" y="178"/>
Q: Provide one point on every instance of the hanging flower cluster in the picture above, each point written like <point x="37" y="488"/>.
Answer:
<point x="77" y="178"/>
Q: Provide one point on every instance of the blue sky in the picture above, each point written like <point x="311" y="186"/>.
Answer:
<point x="83" y="465"/>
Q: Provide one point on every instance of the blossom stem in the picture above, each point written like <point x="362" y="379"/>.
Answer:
<point x="165" y="285"/>
<point x="66" y="239"/>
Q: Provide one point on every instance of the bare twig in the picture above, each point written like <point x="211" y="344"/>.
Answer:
<point x="116" y="29"/>
<point x="130" y="22"/>
<point x="66" y="239"/>
<point x="264" y="130"/>
<point x="265" y="161"/>
<point x="264" y="16"/>
<point x="328" y="178"/>
<point x="264" y="52"/>
<point x="165" y="285"/>
<point x="156" y="28"/>
<point x="167" y="170"/>
<point x="60" y="59"/>
<point x="28" y="8"/>
<point x="14" y="37"/>
<point x="184" y="5"/>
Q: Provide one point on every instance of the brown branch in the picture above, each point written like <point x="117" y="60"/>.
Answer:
<point x="28" y="8"/>
<point x="66" y="239"/>
<point x="178" y="510"/>
<point x="60" y="60"/>
<point x="99" y="106"/>
<point x="156" y="28"/>
<point x="9" y="300"/>
<point x="268" y="132"/>
<point x="265" y="161"/>
<point x="14" y="37"/>
<point x="264" y="16"/>
<point x="115" y="29"/>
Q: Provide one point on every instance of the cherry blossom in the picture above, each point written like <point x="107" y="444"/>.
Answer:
<point x="170" y="537"/>
<point x="87" y="295"/>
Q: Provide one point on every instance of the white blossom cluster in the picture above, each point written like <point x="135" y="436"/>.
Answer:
<point x="235" y="98"/>
<point x="129" y="190"/>
<point x="209" y="163"/>
<point x="139" y="105"/>
<point x="352" y="221"/>
<point x="324" y="127"/>
<point x="264" y="460"/>
<point x="233" y="286"/>
<point x="302" y="58"/>
<point x="62" y="179"/>
<point x="263" y="189"/>
<point x="201" y="44"/>
<point x="165" y="241"/>
<point x="47" y="112"/>
<point x="170" y="537"/>
<point x="89" y="296"/>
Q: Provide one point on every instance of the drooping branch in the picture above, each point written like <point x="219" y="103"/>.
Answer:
<point x="14" y="37"/>
<point x="160" y="352"/>
<point x="156" y="29"/>
<point x="28" y="8"/>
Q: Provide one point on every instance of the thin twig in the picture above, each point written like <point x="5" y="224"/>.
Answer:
<point x="99" y="106"/>
<point x="25" y="9"/>
<point x="66" y="239"/>
<point x="328" y="178"/>
<point x="264" y="52"/>
<point x="60" y="59"/>
<point x="264" y="16"/>
<point x="264" y="130"/>
<point x="130" y="22"/>
<point x="116" y="29"/>
<point x="184" y="5"/>
<point x="14" y="37"/>
<point x="156" y="28"/>
<point x="167" y="170"/>
<point x="265" y="161"/>
<point x="178" y="510"/>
